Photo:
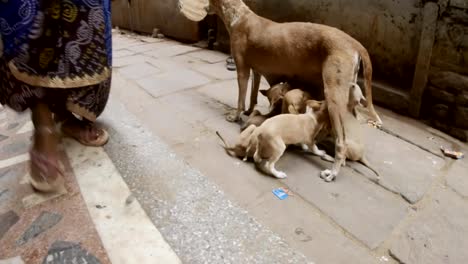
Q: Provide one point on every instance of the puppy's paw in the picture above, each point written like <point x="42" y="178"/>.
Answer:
<point x="232" y="117"/>
<point x="328" y="158"/>
<point x="327" y="175"/>
<point x="305" y="147"/>
<point x="280" y="175"/>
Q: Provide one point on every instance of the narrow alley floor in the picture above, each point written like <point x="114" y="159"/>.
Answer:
<point x="164" y="191"/>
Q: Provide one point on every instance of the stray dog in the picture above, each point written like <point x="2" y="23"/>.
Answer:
<point x="311" y="55"/>
<point x="294" y="102"/>
<point x="276" y="133"/>
<point x="246" y="145"/>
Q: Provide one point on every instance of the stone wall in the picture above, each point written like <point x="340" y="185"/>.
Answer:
<point x="445" y="101"/>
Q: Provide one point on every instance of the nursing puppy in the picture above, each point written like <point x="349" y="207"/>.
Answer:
<point x="276" y="133"/>
<point x="294" y="102"/>
<point x="275" y="97"/>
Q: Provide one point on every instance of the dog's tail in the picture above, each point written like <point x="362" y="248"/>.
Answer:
<point x="367" y="72"/>
<point x="229" y="150"/>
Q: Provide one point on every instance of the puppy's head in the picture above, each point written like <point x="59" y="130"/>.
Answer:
<point x="356" y="97"/>
<point x="276" y="94"/>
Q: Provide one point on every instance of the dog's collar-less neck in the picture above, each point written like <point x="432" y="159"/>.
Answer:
<point x="232" y="11"/>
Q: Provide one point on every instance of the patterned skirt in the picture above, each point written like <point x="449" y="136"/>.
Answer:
<point x="56" y="51"/>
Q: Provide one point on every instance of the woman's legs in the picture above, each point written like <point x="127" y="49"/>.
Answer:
<point x="46" y="172"/>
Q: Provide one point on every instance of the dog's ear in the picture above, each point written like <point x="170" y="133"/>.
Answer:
<point x="195" y="10"/>
<point x="264" y="92"/>
<point x="313" y="105"/>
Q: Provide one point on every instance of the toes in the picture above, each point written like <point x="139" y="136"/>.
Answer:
<point x="281" y="175"/>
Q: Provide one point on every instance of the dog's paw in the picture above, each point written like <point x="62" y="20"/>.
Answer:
<point x="304" y="147"/>
<point x="280" y="175"/>
<point x="327" y="175"/>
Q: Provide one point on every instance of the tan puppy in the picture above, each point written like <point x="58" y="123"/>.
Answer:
<point x="294" y="102"/>
<point x="311" y="55"/>
<point x="276" y="133"/>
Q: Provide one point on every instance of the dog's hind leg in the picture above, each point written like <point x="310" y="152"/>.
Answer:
<point x="254" y="92"/>
<point x="337" y="73"/>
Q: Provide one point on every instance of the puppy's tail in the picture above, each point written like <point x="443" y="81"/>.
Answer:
<point x="367" y="72"/>
<point x="229" y="150"/>
<point x="366" y="163"/>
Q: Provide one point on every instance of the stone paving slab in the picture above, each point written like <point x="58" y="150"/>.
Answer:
<point x="209" y="56"/>
<point x="457" y="176"/>
<point x="138" y="71"/>
<point x="410" y="177"/>
<point x="172" y="81"/>
<point x="358" y="205"/>
<point x="438" y="234"/>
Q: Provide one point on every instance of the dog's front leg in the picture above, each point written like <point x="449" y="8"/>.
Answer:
<point x="254" y="92"/>
<point x="242" y="81"/>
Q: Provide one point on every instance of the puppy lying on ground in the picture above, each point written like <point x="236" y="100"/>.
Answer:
<point x="273" y="138"/>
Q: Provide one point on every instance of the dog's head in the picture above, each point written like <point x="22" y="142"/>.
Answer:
<point x="195" y="10"/>
<point x="276" y="94"/>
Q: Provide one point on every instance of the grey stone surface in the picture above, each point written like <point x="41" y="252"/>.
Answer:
<point x="457" y="178"/>
<point x="12" y="126"/>
<point x="138" y="71"/>
<point x="217" y="71"/>
<point x="356" y="204"/>
<point x="170" y="50"/>
<point x="461" y="117"/>
<point x="209" y="56"/>
<point x="412" y="176"/>
<point x="14" y="260"/>
<point x="68" y="252"/>
<point x="7" y="220"/>
<point x="195" y="217"/>
<point x="449" y="81"/>
<point x="438" y="234"/>
<point x="172" y="81"/>
<point x="2" y="137"/>
<point x="42" y="223"/>
<point x="121" y="53"/>
<point x="15" y="147"/>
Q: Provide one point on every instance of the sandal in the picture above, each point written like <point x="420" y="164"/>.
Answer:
<point x="86" y="133"/>
<point x="46" y="173"/>
<point x="230" y="64"/>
